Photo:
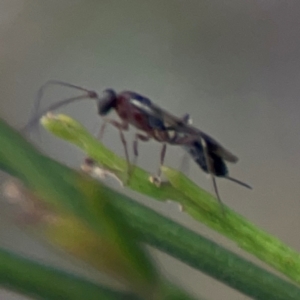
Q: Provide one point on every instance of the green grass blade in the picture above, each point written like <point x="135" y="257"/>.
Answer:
<point x="67" y="192"/>
<point x="205" y="255"/>
<point x="83" y="211"/>
<point x="43" y="282"/>
<point x="248" y="236"/>
<point x="152" y="228"/>
<point x="195" y="201"/>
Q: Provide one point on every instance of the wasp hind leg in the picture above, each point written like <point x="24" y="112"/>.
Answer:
<point x="211" y="173"/>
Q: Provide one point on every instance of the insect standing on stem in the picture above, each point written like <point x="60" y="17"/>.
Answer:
<point x="152" y="123"/>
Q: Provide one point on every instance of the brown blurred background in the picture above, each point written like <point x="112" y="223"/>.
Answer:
<point x="234" y="65"/>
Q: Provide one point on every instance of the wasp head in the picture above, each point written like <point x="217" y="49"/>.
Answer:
<point x="106" y="102"/>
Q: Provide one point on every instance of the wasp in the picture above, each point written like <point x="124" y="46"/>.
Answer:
<point x="152" y="122"/>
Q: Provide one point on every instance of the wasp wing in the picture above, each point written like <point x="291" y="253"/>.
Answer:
<point x="180" y="125"/>
<point x="158" y="118"/>
<point x="167" y="121"/>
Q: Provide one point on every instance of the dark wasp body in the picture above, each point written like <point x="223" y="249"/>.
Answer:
<point x="152" y="122"/>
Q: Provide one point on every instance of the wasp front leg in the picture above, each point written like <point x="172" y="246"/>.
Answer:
<point x="121" y="126"/>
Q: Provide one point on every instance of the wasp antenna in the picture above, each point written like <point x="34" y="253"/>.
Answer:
<point x="239" y="182"/>
<point x="40" y="92"/>
<point x="36" y="117"/>
<point x="63" y="83"/>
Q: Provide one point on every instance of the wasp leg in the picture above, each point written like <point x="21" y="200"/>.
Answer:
<point x="156" y="179"/>
<point x="101" y="131"/>
<point x="211" y="173"/>
<point x="162" y="159"/>
<point x="137" y="137"/>
<point x="121" y="126"/>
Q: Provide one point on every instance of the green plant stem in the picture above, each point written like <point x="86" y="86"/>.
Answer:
<point x="195" y="201"/>
<point x="43" y="282"/>
<point x="234" y="226"/>
<point x="70" y="193"/>
<point x="203" y="254"/>
<point x="153" y="228"/>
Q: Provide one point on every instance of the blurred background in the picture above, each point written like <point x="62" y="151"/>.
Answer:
<point x="233" y="65"/>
